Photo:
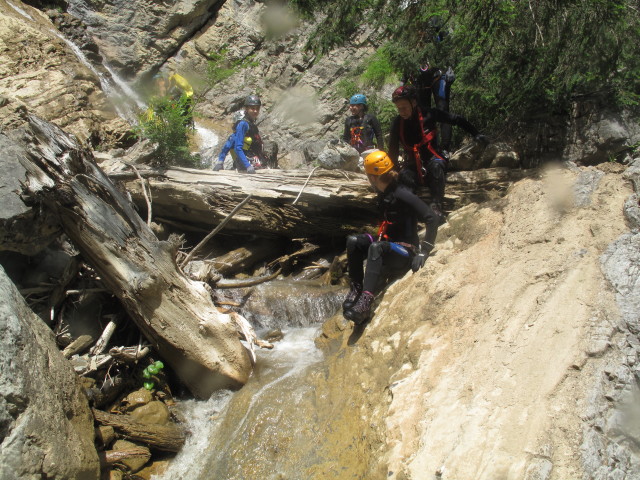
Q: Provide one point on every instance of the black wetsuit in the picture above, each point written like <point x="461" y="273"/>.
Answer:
<point x="435" y="83"/>
<point x="359" y="132"/>
<point x="409" y="134"/>
<point x="391" y="255"/>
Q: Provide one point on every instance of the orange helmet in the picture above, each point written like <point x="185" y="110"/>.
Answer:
<point x="377" y="163"/>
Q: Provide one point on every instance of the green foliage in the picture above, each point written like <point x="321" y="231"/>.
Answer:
<point x="379" y="69"/>
<point x="219" y="67"/>
<point x="510" y="58"/>
<point x="167" y="123"/>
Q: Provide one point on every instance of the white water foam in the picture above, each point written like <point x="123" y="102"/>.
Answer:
<point x="20" y="11"/>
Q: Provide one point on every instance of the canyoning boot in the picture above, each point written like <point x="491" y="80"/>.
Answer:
<point x="360" y="312"/>
<point x="352" y="296"/>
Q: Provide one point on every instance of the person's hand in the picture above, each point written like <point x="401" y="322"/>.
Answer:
<point x="250" y="169"/>
<point x="218" y="166"/>
<point x="483" y="139"/>
<point x="418" y="262"/>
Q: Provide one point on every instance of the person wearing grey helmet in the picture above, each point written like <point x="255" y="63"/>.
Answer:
<point x="245" y="142"/>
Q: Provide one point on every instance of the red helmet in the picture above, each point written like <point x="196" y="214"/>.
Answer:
<point x="407" y="92"/>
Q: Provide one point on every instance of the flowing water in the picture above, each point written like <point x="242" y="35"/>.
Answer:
<point x="258" y="431"/>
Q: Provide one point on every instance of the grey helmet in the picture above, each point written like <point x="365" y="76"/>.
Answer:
<point x="252" y="100"/>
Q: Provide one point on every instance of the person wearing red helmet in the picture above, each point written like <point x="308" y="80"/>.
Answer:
<point x="396" y="248"/>
<point x="415" y="130"/>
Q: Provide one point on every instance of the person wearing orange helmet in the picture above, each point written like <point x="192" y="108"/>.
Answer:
<point x="396" y="248"/>
<point x="415" y="130"/>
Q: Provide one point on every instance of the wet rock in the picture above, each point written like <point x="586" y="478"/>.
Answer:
<point x="43" y="72"/>
<point x="133" y="464"/>
<point x="105" y="435"/>
<point x="139" y="26"/>
<point x="154" y="412"/>
<point x="48" y="427"/>
<point x="136" y="399"/>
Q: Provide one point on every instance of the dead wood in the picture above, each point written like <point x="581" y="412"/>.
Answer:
<point x="169" y="438"/>
<point x="110" y="457"/>
<point x="215" y="230"/>
<point x="133" y="265"/>
<point x="242" y="258"/>
<point x="247" y="282"/>
<point x="102" y="342"/>
<point x="80" y="344"/>
<point x="332" y="204"/>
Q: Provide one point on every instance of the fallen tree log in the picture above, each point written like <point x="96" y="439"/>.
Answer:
<point x="168" y="308"/>
<point x="333" y="204"/>
<point x="169" y="438"/>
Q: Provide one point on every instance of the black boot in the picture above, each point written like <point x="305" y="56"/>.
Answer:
<point x="352" y="296"/>
<point x="359" y="313"/>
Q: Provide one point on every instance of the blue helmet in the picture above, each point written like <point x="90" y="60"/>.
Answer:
<point x="358" y="99"/>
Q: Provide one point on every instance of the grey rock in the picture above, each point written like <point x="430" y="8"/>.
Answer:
<point x="632" y="211"/>
<point x="339" y="156"/>
<point x="586" y="183"/>
<point x="47" y="427"/>
<point x="538" y="469"/>
<point x="135" y="36"/>
<point x="22" y="229"/>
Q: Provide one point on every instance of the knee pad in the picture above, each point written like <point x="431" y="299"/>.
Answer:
<point x="352" y="242"/>
<point x="377" y="249"/>
<point x="435" y="168"/>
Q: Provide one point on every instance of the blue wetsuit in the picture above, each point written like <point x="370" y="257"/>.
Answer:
<point x="243" y="128"/>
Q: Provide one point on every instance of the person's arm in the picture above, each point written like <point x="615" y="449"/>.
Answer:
<point x="394" y="141"/>
<point x="346" y="135"/>
<point x="377" y="131"/>
<point x="238" y="142"/>
<point x="453" y="119"/>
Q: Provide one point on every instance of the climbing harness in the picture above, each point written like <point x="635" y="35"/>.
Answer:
<point x="427" y="139"/>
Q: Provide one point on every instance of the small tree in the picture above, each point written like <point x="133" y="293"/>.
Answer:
<point x="167" y="123"/>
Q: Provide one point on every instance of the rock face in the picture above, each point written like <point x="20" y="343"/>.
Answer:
<point x="511" y="354"/>
<point x="138" y="36"/>
<point x="47" y="428"/>
<point x="40" y="72"/>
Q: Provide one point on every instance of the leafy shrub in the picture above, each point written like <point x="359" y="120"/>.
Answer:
<point x="167" y="122"/>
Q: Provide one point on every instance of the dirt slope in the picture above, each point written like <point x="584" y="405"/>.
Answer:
<point x="485" y="363"/>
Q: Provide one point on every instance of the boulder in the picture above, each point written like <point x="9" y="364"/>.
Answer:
<point x="598" y="134"/>
<point x="47" y="425"/>
<point x="339" y="156"/>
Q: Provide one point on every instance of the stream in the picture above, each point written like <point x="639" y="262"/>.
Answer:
<point x="258" y="431"/>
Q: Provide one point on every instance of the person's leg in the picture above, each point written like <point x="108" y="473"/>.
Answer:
<point x="436" y="178"/>
<point x="441" y="95"/>
<point x="380" y="257"/>
<point x="357" y="247"/>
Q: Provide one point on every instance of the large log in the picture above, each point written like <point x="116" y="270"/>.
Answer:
<point x="333" y="203"/>
<point x="176" y="314"/>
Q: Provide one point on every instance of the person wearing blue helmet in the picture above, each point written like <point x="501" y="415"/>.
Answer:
<point x="361" y="127"/>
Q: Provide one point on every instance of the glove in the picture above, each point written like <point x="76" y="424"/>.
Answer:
<point x="418" y="262"/>
<point x="218" y="166"/>
<point x="483" y="139"/>
<point x="449" y="76"/>
<point x="250" y="169"/>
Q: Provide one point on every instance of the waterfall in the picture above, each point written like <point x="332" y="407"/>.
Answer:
<point x="20" y="11"/>
<point x="217" y="446"/>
